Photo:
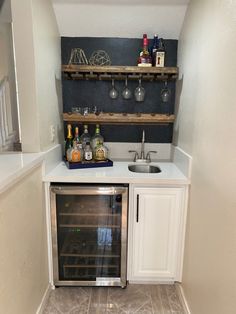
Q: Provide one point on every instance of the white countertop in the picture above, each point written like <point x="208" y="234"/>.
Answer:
<point x="15" y="165"/>
<point x="119" y="173"/>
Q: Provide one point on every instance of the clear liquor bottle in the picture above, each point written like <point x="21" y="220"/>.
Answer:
<point x="75" y="154"/>
<point x="88" y="154"/>
<point x="100" y="152"/>
<point x="85" y="137"/>
<point x="97" y="138"/>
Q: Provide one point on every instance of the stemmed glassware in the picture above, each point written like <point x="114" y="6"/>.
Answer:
<point x="139" y="92"/>
<point x="165" y="93"/>
<point x="113" y="93"/>
<point x="126" y="93"/>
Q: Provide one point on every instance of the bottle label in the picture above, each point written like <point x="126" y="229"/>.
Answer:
<point x="160" y="59"/>
<point x="88" y="156"/>
<point x="100" y="154"/>
<point x="75" y="155"/>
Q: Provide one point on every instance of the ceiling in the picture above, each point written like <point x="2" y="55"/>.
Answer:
<point x="120" y="18"/>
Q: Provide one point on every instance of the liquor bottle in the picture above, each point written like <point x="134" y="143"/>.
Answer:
<point x="69" y="139"/>
<point x="154" y="49"/>
<point x="76" y="139"/>
<point x="97" y="138"/>
<point x="88" y="154"/>
<point x="160" y="54"/>
<point x="144" y="57"/>
<point x="100" y="152"/>
<point x="74" y="154"/>
<point x="85" y="137"/>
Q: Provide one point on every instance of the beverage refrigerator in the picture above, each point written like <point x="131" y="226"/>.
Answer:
<point x="89" y="234"/>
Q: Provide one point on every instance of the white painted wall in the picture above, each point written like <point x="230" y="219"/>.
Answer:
<point x="206" y="129"/>
<point x="23" y="246"/>
<point x="37" y="45"/>
<point x="47" y="52"/>
<point x="129" y="19"/>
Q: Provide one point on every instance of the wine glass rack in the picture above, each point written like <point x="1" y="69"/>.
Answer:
<point x="120" y="118"/>
<point x="88" y="72"/>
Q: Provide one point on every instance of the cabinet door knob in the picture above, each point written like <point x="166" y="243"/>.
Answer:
<point x="137" y="212"/>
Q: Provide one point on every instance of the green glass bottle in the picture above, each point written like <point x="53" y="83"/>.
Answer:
<point x="69" y="139"/>
<point x="97" y="138"/>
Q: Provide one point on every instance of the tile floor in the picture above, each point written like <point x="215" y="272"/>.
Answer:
<point x="138" y="299"/>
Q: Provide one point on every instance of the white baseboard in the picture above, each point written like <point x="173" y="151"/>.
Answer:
<point x="44" y="300"/>
<point x="182" y="298"/>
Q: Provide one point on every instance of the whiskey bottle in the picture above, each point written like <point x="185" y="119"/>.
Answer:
<point x="97" y="138"/>
<point x="144" y="57"/>
<point x="69" y="139"/>
<point x="160" y="54"/>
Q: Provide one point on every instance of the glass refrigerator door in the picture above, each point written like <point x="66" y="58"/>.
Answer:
<point x="89" y="235"/>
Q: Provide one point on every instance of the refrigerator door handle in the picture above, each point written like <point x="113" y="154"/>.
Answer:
<point x="88" y="190"/>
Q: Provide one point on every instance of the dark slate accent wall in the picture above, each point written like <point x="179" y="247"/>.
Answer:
<point x="122" y="51"/>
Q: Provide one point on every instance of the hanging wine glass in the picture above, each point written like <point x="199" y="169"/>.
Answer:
<point x="126" y="93"/>
<point x="139" y="92"/>
<point x="113" y="93"/>
<point x="165" y="93"/>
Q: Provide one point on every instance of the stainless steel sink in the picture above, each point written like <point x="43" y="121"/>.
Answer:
<point x="144" y="168"/>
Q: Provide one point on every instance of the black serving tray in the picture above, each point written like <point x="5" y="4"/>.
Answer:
<point x="88" y="164"/>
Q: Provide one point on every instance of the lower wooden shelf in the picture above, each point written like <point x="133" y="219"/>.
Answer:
<point x="120" y="118"/>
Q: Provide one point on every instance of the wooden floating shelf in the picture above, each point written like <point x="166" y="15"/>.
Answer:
<point x="89" y="72"/>
<point x="120" y="118"/>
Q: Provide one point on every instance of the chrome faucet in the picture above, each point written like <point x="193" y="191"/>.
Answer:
<point x="142" y="146"/>
<point x="142" y="153"/>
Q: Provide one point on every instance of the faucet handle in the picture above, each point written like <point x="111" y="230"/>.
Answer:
<point x="136" y="154"/>
<point x="148" y="157"/>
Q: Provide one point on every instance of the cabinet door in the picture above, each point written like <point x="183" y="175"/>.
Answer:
<point x="156" y="231"/>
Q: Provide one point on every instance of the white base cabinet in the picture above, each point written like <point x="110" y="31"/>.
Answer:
<point x="156" y="233"/>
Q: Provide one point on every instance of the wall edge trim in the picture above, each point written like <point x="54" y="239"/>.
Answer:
<point x="44" y="300"/>
<point x="182" y="298"/>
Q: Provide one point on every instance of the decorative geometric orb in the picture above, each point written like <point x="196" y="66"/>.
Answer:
<point x="100" y="57"/>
